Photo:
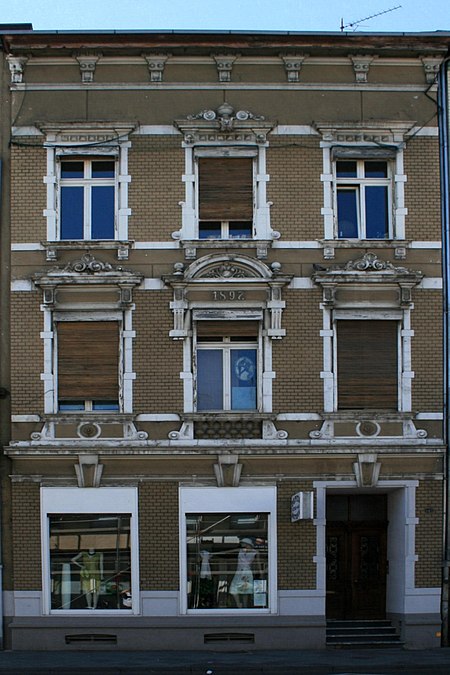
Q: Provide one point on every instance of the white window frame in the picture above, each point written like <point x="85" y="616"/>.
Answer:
<point x="60" y="147"/>
<point x="85" y="501"/>
<point x="329" y="333"/>
<point x="358" y="185"/>
<point x="226" y="347"/>
<point x="87" y="183"/>
<point x="125" y="365"/>
<point x="261" y="207"/>
<point x="260" y="499"/>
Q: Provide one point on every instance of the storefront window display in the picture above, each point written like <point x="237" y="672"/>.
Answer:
<point x="227" y="561"/>
<point x="90" y="561"/>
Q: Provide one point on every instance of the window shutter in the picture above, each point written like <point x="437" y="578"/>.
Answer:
<point x="227" y="328"/>
<point x="367" y="364"/>
<point x="225" y="188"/>
<point x="88" y="360"/>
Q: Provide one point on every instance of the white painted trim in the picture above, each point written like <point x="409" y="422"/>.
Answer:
<point x="22" y="285"/>
<point x="25" y="418"/>
<point x="296" y="244"/>
<point x="156" y="244"/>
<point x="301" y="602"/>
<point x="431" y="283"/>
<point x="160" y="603"/>
<point x="156" y="130"/>
<point x="89" y="500"/>
<point x="230" y="500"/>
<point x="423" y="131"/>
<point x="26" y="131"/>
<point x="302" y="283"/>
<point x="152" y="285"/>
<point x="298" y="417"/>
<point x="429" y="416"/>
<point x="158" y="417"/>
<point x="216" y="86"/>
<point x="426" y="244"/>
<point x="27" y="247"/>
<point x="294" y="130"/>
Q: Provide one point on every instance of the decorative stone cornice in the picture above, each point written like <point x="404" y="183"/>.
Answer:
<point x="368" y="269"/>
<point x="156" y="64"/>
<point x="87" y="63"/>
<point x="370" y="131"/>
<point x="224" y="125"/>
<point x="431" y="65"/>
<point x="361" y="65"/>
<point x="17" y="67"/>
<point x="224" y="64"/>
<point x="293" y="65"/>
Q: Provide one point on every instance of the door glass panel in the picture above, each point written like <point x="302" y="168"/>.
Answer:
<point x="72" y="212"/>
<point x="103" y="212"/>
<point x="347" y="208"/>
<point x="209" y="379"/>
<point x="377" y="221"/>
<point x="243" y="379"/>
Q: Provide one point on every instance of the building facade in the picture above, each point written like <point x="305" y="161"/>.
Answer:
<point x="226" y="336"/>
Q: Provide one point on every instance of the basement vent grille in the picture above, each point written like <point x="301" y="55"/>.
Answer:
<point x="229" y="637"/>
<point x="91" y="637"/>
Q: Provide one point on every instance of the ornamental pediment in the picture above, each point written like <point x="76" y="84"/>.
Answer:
<point x="224" y="125"/>
<point x="87" y="269"/>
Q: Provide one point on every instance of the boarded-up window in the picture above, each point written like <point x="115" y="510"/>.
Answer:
<point x="367" y="364"/>
<point x="88" y="360"/>
<point x="225" y="188"/>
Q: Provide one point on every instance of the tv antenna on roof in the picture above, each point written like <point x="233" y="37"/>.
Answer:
<point x="354" y="24"/>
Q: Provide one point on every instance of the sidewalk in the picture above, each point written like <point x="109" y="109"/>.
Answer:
<point x="318" y="662"/>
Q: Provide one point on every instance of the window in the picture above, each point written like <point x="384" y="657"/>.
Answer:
<point x="363" y="199"/>
<point x="87" y="198"/>
<point x="88" y="365"/>
<point x="90" y="561"/>
<point x="89" y="549"/>
<point x="228" y="549"/>
<point x="225" y="197"/>
<point x="227" y="366"/>
<point x="367" y="364"/>
<point x="227" y="560"/>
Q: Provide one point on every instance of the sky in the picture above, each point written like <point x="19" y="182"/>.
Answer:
<point x="254" y="15"/>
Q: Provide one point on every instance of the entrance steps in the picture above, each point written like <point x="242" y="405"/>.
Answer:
<point x="361" y="634"/>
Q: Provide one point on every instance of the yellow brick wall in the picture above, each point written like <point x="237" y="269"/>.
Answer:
<point x="427" y="351"/>
<point x="158" y="536"/>
<point x="26" y="530"/>
<point x="27" y="361"/>
<point x="294" y="164"/>
<point x="157" y="359"/>
<point x="28" y="192"/>
<point x="297" y="358"/>
<point x="156" y="166"/>
<point x="296" y="542"/>
<point x="429" y="533"/>
<point x="422" y="194"/>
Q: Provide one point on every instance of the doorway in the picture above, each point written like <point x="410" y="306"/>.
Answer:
<point x="356" y="560"/>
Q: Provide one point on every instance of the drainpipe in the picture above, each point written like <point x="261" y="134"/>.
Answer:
<point x="445" y="217"/>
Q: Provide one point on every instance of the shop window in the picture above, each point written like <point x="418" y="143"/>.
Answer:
<point x="227" y="365"/>
<point x="88" y="365"/>
<point x="227" y="560"/>
<point x="87" y="207"/>
<point x="225" y="197"/>
<point x="90" y="561"/>
<point x="367" y="364"/>
<point x="363" y="197"/>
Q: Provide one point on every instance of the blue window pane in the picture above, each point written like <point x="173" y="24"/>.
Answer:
<point x="209" y="379"/>
<point x="105" y="405"/>
<point x="347" y="208"/>
<point x="103" y="169"/>
<point x="375" y="169"/>
<point x="346" y="169"/>
<point x="72" y="208"/>
<point x="377" y="220"/>
<point x="211" y="230"/>
<point x="240" y="230"/>
<point x="72" y="169"/>
<point x="243" y="379"/>
<point x="102" y="212"/>
<point x="71" y="405"/>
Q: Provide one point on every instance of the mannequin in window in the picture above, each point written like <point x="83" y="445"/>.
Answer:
<point x="241" y="587"/>
<point x="91" y="574"/>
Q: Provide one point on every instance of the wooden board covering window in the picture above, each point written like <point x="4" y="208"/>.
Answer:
<point x="367" y="364"/>
<point x="227" y="328"/>
<point x="88" y="360"/>
<point x="226" y="188"/>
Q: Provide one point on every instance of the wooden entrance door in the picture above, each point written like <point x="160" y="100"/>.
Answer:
<point x="356" y="571"/>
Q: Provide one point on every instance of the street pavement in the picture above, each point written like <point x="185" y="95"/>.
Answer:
<point x="377" y="661"/>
